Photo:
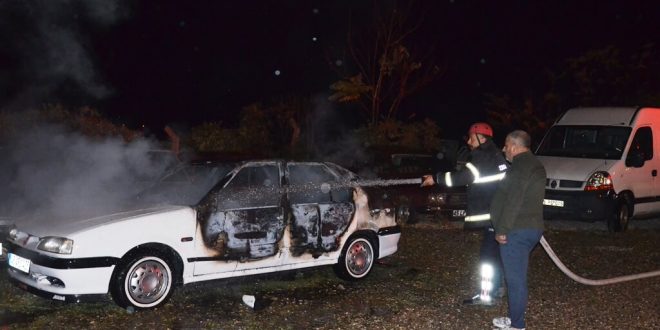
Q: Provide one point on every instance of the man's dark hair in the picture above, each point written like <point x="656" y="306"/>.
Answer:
<point x="520" y="138"/>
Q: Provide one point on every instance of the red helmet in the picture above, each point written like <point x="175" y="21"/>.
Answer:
<point x="481" y="128"/>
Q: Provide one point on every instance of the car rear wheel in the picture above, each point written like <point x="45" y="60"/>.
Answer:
<point x="356" y="259"/>
<point x="143" y="281"/>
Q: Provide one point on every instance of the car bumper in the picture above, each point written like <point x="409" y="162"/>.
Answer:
<point x="62" y="279"/>
<point x="445" y="212"/>
<point x="578" y="205"/>
<point x="388" y="240"/>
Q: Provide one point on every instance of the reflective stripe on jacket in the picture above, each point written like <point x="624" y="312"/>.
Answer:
<point x="486" y="168"/>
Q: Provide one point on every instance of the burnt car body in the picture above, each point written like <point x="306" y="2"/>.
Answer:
<point x="261" y="217"/>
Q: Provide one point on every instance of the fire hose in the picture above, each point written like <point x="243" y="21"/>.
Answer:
<point x="543" y="242"/>
<point x="587" y="281"/>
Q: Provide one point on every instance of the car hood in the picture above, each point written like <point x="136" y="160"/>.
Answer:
<point x="577" y="169"/>
<point x="44" y="226"/>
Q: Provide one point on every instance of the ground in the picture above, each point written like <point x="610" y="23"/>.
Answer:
<point x="417" y="288"/>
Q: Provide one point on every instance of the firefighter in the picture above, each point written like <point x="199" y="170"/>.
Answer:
<point x="481" y="174"/>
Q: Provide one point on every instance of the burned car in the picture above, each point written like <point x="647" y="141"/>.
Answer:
<point x="261" y="217"/>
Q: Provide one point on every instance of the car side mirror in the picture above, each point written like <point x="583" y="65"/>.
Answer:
<point x="635" y="158"/>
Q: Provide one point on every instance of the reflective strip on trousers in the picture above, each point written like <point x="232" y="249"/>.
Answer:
<point x="479" y="217"/>
<point x="487" y="273"/>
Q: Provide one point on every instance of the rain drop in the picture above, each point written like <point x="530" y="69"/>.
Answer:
<point x="277" y="72"/>
<point x="325" y="187"/>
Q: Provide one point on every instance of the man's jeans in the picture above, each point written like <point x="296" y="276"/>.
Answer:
<point x="515" y="259"/>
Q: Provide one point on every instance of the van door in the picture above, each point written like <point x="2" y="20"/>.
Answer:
<point x="642" y="181"/>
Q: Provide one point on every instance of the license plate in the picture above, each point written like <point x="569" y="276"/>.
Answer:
<point x="19" y="263"/>
<point x="553" y="202"/>
<point x="458" y="213"/>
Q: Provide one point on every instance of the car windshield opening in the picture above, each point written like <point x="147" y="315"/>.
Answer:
<point x="596" y="142"/>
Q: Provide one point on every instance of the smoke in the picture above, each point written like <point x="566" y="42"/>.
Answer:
<point x="336" y="140"/>
<point x="48" y="51"/>
<point x="56" y="173"/>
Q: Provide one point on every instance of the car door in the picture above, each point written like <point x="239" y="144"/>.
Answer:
<point x="243" y="221"/>
<point x="642" y="180"/>
<point x="320" y="207"/>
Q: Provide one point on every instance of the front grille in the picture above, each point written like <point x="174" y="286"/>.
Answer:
<point x="556" y="183"/>
<point x="457" y="199"/>
<point x="570" y="184"/>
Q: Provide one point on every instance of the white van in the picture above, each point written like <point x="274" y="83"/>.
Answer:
<point x="602" y="164"/>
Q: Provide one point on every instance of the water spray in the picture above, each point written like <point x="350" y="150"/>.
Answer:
<point x="327" y="187"/>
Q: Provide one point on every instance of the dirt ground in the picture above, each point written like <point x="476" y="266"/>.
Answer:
<point x="420" y="287"/>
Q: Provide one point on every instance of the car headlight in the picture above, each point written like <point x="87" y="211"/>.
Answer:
<point x="437" y="198"/>
<point x="13" y="234"/>
<point x="59" y="245"/>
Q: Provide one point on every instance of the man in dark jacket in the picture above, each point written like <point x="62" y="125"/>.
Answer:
<point x="517" y="215"/>
<point x="481" y="174"/>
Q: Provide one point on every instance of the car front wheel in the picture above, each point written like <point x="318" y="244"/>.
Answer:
<point x="621" y="217"/>
<point x="356" y="259"/>
<point x="143" y="281"/>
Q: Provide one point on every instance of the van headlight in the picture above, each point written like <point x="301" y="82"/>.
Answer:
<point x="599" y="181"/>
<point x="53" y="244"/>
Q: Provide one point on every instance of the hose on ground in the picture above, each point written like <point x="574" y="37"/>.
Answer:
<point x="587" y="281"/>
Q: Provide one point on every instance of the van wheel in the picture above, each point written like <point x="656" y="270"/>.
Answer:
<point x="618" y="222"/>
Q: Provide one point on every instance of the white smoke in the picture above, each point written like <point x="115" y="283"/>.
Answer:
<point x="336" y="140"/>
<point x="61" y="174"/>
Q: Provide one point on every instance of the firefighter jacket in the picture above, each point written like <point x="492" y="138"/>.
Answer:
<point x="481" y="175"/>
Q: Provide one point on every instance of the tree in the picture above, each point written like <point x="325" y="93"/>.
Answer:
<point x="422" y="136"/>
<point x="599" y="77"/>
<point x="387" y="70"/>
<point x="86" y="120"/>
<point x="274" y="129"/>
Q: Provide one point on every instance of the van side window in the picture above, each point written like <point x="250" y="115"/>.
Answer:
<point x="643" y="142"/>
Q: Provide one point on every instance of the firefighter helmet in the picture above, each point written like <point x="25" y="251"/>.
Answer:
<point x="481" y="128"/>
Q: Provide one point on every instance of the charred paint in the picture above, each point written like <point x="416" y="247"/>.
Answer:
<point x="245" y="223"/>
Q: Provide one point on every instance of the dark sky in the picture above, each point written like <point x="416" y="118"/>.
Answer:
<point x="158" y="62"/>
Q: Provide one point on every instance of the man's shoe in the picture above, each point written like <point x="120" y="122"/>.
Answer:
<point x="502" y="322"/>
<point x="476" y="300"/>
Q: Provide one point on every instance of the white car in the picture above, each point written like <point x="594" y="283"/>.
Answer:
<point x="262" y="217"/>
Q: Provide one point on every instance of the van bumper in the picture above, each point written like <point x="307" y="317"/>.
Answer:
<point x="578" y="205"/>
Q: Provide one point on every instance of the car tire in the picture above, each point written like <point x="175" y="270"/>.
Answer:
<point x="618" y="222"/>
<point x="413" y="217"/>
<point x="356" y="259"/>
<point x="143" y="280"/>
<point x="406" y="215"/>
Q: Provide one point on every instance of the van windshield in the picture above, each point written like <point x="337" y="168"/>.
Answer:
<point x="598" y="142"/>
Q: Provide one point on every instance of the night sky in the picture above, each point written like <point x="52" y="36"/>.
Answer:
<point x="160" y="62"/>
